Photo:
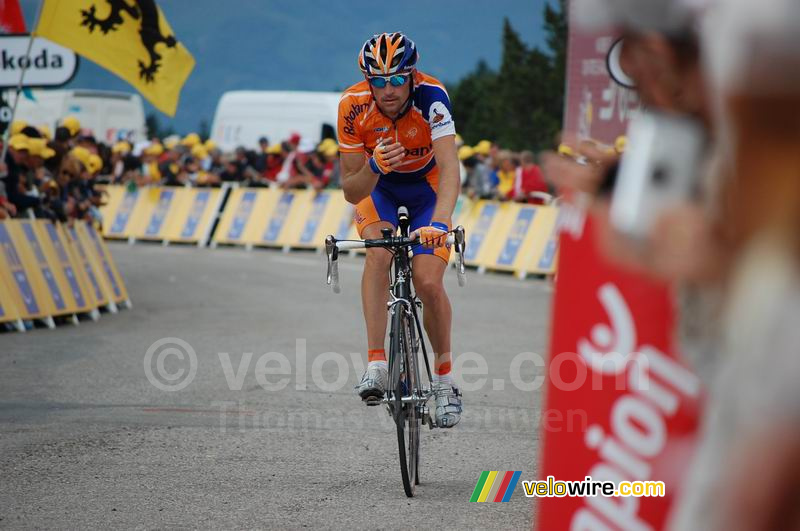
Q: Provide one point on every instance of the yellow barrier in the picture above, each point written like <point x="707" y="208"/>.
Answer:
<point x="26" y="293"/>
<point x="85" y="271"/>
<point x="40" y="268"/>
<point x="8" y="309"/>
<point x="103" y="266"/>
<point x="501" y="236"/>
<point x="118" y="211"/>
<point x="167" y="214"/>
<point x="192" y="215"/>
<point x="56" y="247"/>
<point x="49" y="270"/>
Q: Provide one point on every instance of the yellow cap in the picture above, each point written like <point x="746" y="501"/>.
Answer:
<point x="330" y="149"/>
<point x="18" y="142"/>
<point x="199" y="152"/>
<point x="45" y="130"/>
<point x="154" y="149"/>
<point x="71" y="123"/>
<point x="95" y="163"/>
<point x="38" y="148"/>
<point x="17" y="126"/>
<point x="483" y="147"/>
<point x="564" y="149"/>
<point x="465" y="152"/>
<point x="121" y="147"/>
<point x="210" y="145"/>
<point x="191" y="140"/>
<point x="82" y="154"/>
<point x="620" y="143"/>
<point x="275" y="149"/>
<point x="171" y="142"/>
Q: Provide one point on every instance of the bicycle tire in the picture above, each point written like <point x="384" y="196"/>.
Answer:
<point x="414" y="421"/>
<point x="407" y="435"/>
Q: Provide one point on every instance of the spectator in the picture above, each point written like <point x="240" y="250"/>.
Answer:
<point x="17" y="162"/>
<point x="505" y="174"/>
<point x="529" y="179"/>
<point x="261" y="155"/>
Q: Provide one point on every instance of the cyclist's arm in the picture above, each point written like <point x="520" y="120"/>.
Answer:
<point x="444" y="150"/>
<point x="358" y="179"/>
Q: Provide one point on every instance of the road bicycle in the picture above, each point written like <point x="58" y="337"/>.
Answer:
<point x="406" y="397"/>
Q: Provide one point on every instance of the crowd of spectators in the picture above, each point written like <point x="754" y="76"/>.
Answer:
<point x="489" y="172"/>
<point x="59" y="176"/>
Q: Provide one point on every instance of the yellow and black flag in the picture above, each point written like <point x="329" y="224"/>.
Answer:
<point x="128" y="37"/>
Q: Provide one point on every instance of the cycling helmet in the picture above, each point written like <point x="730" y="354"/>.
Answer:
<point x="386" y="54"/>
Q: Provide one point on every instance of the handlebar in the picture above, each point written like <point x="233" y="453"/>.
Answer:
<point x="455" y="238"/>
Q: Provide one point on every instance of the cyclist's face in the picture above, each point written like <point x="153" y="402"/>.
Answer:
<point x="390" y="98"/>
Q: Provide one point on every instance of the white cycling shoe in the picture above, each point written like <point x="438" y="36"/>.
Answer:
<point x="448" y="405"/>
<point x="373" y="385"/>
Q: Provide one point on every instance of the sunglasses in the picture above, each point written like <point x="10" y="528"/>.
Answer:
<point x="396" y="80"/>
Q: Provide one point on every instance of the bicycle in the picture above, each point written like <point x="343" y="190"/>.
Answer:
<point x="406" y="398"/>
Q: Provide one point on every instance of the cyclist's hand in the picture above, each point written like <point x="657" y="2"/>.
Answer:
<point x="387" y="157"/>
<point x="434" y="235"/>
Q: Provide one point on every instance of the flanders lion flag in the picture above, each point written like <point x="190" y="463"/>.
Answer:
<point x="128" y="37"/>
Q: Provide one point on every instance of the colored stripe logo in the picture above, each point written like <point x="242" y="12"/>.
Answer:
<point x="494" y="486"/>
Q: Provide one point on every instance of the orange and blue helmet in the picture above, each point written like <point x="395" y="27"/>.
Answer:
<point x="386" y="54"/>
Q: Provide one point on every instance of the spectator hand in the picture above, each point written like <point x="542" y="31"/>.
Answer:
<point x="582" y="173"/>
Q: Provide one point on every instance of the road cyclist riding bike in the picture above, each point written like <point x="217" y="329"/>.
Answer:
<point x="397" y="145"/>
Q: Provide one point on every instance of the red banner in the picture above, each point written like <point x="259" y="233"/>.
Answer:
<point x="11" y="19"/>
<point x="631" y="405"/>
<point x="595" y="106"/>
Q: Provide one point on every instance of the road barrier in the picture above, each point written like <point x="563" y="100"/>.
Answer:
<point x="52" y="270"/>
<point x="501" y="236"/>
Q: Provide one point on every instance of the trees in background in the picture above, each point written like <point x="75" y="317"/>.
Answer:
<point x="521" y="105"/>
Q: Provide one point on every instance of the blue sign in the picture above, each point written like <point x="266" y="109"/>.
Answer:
<point x="515" y="237"/>
<point x="278" y="217"/>
<point x="196" y="213"/>
<point x="344" y="226"/>
<point x="86" y="265"/>
<point x="17" y="271"/>
<point x="159" y="213"/>
<point x="242" y="215"/>
<point x="30" y="235"/>
<point x="63" y="260"/>
<point x="104" y="260"/>
<point x="124" y="212"/>
<point x="480" y="230"/>
<point x="317" y="211"/>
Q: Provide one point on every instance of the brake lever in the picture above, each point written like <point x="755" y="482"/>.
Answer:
<point x="460" y="245"/>
<point x="332" y="252"/>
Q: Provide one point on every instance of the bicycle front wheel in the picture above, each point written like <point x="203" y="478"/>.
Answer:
<point x="407" y="417"/>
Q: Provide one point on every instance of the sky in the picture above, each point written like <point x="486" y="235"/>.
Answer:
<point x="313" y="44"/>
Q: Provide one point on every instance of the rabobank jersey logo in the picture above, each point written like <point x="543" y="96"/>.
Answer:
<point x="439" y="115"/>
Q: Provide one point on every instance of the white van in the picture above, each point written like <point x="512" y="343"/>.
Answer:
<point x="110" y="115"/>
<point x="243" y="116"/>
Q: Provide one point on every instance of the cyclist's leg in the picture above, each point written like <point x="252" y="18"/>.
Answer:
<point x="372" y="214"/>
<point x="429" y="267"/>
<point x="437" y="317"/>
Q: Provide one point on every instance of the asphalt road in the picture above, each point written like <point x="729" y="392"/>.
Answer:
<point x="88" y="441"/>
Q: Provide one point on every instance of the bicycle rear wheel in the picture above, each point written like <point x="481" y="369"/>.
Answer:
<point x="404" y="383"/>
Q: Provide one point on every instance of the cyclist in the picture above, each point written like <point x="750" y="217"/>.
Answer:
<point x="397" y="145"/>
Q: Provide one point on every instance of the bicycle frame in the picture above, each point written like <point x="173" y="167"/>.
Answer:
<point x="401" y="298"/>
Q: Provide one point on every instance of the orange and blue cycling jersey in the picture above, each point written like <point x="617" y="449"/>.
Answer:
<point x="415" y="182"/>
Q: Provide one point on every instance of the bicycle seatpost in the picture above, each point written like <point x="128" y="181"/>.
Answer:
<point x="403" y="220"/>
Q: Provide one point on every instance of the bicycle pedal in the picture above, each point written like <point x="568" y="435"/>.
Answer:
<point x="372" y="400"/>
